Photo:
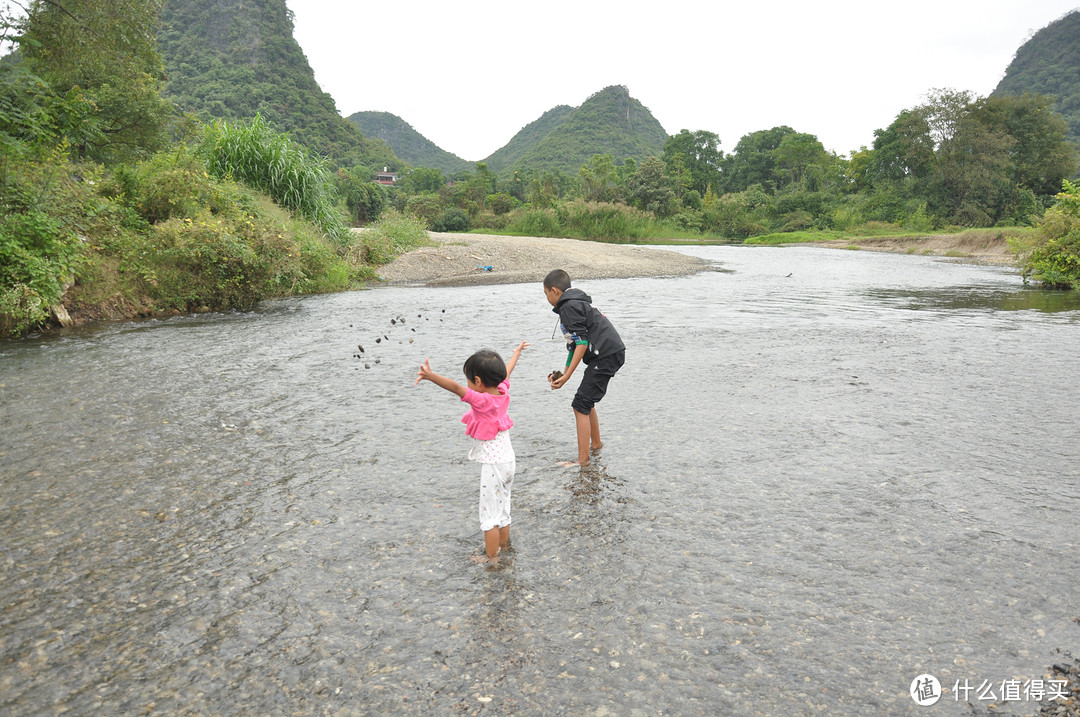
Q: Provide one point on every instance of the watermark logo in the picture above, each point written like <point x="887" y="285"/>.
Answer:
<point x="925" y="690"/>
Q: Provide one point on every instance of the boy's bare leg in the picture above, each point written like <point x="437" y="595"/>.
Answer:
<point x="584" y="428"/>
<point x="504" y="537"/>
<point x="594" y="431"/>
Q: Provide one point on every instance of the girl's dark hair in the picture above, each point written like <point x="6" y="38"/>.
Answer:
<point x="486" y="365"/>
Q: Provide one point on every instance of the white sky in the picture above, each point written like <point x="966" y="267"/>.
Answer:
<point x="468" y="75"/>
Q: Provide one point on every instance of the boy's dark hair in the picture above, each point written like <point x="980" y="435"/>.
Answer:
<point x="487" y="366"/>
<point x="557" y="279"/>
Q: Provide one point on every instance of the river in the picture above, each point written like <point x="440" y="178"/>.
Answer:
<point x="825" y="473"/>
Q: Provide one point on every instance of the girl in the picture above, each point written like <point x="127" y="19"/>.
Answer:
<point x="488" y="395"/>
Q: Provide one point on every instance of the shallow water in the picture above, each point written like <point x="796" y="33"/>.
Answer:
<point x="813" y="488"/>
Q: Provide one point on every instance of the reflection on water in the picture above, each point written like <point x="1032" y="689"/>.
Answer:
<point x="964" y="298"/>
<point x="824" y="473"/>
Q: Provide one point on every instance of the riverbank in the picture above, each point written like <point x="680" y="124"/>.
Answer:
<point x="987" y="246"/>
<point x="471" y="259"/>
<point x="474" y="259"/>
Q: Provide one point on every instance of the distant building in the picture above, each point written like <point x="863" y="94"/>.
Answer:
<point x="386" y="176"/>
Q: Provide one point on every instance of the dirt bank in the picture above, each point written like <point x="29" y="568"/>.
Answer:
<point x="461" y="260"/>
<point x="984" y="247"/>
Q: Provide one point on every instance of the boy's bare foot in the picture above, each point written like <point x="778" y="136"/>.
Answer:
<point x="596" y="448"/>
<point x="485" y="559"/>
<point x="569" y="464"/>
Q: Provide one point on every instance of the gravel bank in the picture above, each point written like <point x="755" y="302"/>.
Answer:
<point x="454" y="261"/>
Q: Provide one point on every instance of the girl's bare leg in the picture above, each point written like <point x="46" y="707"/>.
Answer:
<point x="491" y="544"/>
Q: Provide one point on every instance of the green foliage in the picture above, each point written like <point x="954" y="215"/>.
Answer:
<point x="599" y="179"/>
<point x="507" y="159"/>
<point x="395" y="233"/>
<point x="1047" y="65"/>
<point x="233" y="60"/>
<point x="1054" y="258"/>
<point x="211" y="242"/>
<point x="701" y="158"/>
<point x="650" y="189"/>
<point x="408" y="144"/>
<point x="422" y="181"/>
<point x="36" y="255"/>
<point x="44" y="203"/>
<point x="500" y="203"/>
<point x="587" y="220"/>
<point x="424" y="207"/>
<point x="271" y="162"/>
<point x="365" y="198"/>
<point x="451" y="219"/>
<point x="104" y="53"/>
<point x="753" y="161"/>
<point x="609" y="122"/>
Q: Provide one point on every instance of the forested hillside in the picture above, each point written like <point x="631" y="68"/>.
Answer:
<point x="527" y="138"/>
<point x="408" y="144"/>
<point x="1049" y="64"/>
<point x="609" y="122"/>
<point x="232" y="59"/>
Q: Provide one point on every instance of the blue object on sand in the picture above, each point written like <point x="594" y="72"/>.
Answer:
<point x="485" y="268"/>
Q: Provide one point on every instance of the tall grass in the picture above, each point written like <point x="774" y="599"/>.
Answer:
<point x="269" y="161"/>
<point x="393" y="234"/>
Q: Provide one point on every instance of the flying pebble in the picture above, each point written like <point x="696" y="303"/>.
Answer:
<point x="378" y="341"/>
<point x="361" y="348"/>
<point x="392" y="322"/>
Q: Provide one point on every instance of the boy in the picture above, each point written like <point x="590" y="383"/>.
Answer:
<point x="591" y="338"/>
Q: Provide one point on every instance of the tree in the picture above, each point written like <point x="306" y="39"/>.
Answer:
<point x="650" y="189"/>
<point x="701" y="159"/>
<point x="599" y="180"/>
<point x="944" y="111"/>
<point x="423" y="180"/>
<point x="796" y="154"/>
<point x="902" y="151"/>
<point x="973" y="170"/>
<point x="753" y="161"/>
<point x="364" y="198"/>
<point x="107" y="51"/>
<point x="1041" y="155"/>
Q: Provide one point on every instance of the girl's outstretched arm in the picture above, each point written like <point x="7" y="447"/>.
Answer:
<point x="514" y="359"/>
<point x="425" y="373"/>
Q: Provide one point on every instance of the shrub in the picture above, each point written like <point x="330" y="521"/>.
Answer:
<point x="1054" y="258"/>
<point x="451" y="219"/>
<point x="424" y="207"/>
<point x="393" y="234"/>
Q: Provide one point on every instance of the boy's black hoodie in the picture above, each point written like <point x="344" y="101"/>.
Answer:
<point x="582" y="322"/>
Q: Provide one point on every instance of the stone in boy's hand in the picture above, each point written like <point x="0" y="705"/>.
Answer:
<point x="555" y="375"/>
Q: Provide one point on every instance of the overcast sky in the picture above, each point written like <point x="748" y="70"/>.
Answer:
<point x="468" y="75"/>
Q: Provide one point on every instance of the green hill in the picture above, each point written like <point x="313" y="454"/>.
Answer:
<point x="232" y="59"/>
<point x="1049" y="64"/>
<point x="609" y="122"/>
<point x="527" y="138"/>
<point x="408" y="144"/>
